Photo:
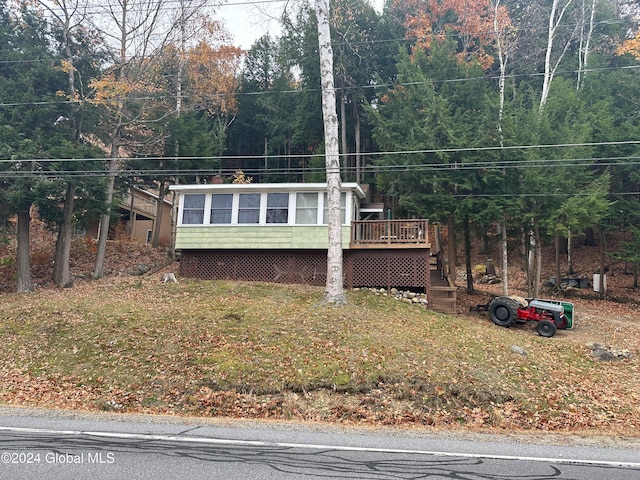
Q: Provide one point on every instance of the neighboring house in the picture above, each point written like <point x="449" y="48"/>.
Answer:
<point x="137" y="210"/>
<point x="278" y="233"/>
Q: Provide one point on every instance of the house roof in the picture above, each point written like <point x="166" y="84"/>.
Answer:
<point x="264" y="187"/>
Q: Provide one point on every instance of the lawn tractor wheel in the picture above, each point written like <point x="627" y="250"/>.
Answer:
<point x="503" y="311"/>
<point x="546" y="328"/>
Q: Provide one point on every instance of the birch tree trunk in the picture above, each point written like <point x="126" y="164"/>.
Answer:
<point x="538" y="255"/>
<point x="505" y="261"/>
<point x="531" y="247"/>
<point x="558" y="272"/>
<point x="501" y="51"/>
<point x="343" y="132"/>
<point x="357" y="135"/>
<point x="569" y="253"/>
<point x="603" y="271"/>
<point x="555" y="18"/>
<point x="334" y="289"/>
<point x="585" y="41"/>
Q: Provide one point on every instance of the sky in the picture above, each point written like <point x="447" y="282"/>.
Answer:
<point x="247" y="23"/>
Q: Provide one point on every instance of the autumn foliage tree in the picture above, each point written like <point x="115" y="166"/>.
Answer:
<point x="212" y="81"/>
<point x="132" y="92"/>
<point x="204" y="92"/>
<point x="630" y="46"/>
<point x="471" y="21"/>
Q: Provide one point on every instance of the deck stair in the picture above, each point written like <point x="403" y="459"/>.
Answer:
<point x="442" y="295"/>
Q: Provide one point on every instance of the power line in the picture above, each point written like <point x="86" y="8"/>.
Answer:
<point x="397" y="169"/>
<point x="367" y="154"/>
<point x="345" y="88"/>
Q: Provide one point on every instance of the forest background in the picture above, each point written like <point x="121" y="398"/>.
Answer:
<point x="508" y="118"/>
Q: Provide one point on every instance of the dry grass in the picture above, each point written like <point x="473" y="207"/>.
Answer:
<point x="133" y="344"/>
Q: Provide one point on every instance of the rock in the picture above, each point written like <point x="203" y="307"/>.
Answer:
<point x="603" y="354"/>
<point x="606" y="353"/>
<point x="413" y="298"/>
<point x="519" y="350"/>
<point x="488" y="280"/>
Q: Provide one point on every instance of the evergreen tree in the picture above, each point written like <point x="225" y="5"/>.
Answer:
<point x="35" y="132"/>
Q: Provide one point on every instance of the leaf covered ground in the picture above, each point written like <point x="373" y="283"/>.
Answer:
<point x="134" y="344"/>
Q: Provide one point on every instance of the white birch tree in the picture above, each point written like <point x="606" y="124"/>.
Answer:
<point x="559" y="9"/>
<point x="334" y="289"/>
<point x="586" y="34"/>
<point x="504" y="45"/>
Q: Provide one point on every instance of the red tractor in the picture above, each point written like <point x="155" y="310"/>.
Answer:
<point x="549" y="315"/>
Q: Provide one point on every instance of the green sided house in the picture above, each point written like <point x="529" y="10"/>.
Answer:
<point x="277" y="232"/>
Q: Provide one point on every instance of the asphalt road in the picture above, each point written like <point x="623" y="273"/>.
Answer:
<point x="65" y="445"/>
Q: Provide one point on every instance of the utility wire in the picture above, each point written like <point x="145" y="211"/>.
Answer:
<point x="366" y="154"/>
<point x="131" y="171"/>
<point x="345" y="88"/>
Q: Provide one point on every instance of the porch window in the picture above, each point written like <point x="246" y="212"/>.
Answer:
<point x="221" y="208"/>
<point x="343" y="209"/>
<point x="306" y="208"/>
<point x="277" y="208"/>
<point x="249" y="208"/>
<point x="193" y="209"/>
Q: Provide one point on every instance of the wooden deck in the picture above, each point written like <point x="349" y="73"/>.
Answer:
<point x="390" y="234"/>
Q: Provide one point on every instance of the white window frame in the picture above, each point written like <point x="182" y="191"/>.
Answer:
<point x="205" y="217"/>
<point x="264" y="201"/>
<point x="349" y="208"/>
<point x="295" y="208"/>
<point x="262" y="208"/>
<point x="210" y="198"/>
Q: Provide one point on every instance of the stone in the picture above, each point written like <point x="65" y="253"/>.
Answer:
<point x="606" y="353"/>
<point x="519" y="350"/>
<point x="603" y="354"/>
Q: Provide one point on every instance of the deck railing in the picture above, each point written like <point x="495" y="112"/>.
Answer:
<point x="397" y="233"/>
<point x="140" y="204"/>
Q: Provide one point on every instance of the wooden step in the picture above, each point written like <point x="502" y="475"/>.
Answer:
<point x="435" y="298"/>
<point x="443" y="307"/>
<point x="442" y="288"/>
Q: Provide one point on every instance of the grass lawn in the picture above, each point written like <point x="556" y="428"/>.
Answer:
<point x="253" y="350"/>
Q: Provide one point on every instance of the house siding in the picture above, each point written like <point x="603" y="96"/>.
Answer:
<point x="256" y="237"/>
